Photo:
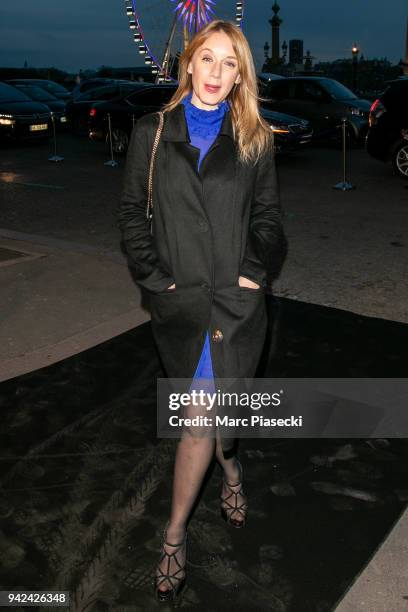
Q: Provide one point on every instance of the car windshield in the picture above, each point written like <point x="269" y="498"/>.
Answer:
<point x="337" y="90"/>
<point x="98" y="93"/>
<point x="36" y="93"/>
<point x="51" y="86"/>
<point x="11" y="94"/>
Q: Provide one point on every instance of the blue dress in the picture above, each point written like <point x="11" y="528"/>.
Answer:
<point x="203" y="127"/>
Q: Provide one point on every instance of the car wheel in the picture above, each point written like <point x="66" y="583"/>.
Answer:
<point x="120" y="141"/>
<point x="400" y="158"/>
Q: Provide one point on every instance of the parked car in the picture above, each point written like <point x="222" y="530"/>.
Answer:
<point x="290" y="132"/>
<point x="20" y="117"/>
<point x="323" y="102"/>
<point x="78" y="108"/>
<point x="59" y="91"/>
<point x="41" y="95"/>
<point x="88" y="84"/>
<point x="387" y="138"/>
<point x="267" y="77"/>
<point x="125" y="110"/>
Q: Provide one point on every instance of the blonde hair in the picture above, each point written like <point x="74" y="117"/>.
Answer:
<point x="252" y="133"/>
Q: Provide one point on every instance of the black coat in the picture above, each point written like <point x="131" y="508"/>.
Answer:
<point x="209" y="227"/>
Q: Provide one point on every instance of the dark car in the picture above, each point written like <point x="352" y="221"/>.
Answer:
<point x="387" y="138"/>
<point x="59" y="91"/>
<point x="41" y="95"/>
<point x="88" y="84"/>
<point x="125" y="110"/>
<point x="290" y="132"/>
<point x="323" y="102"/>
<point x="20" y="117"/>
<point x="78" y="109"/>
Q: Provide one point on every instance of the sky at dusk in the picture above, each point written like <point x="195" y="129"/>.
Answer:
<point x="83" y="34"/>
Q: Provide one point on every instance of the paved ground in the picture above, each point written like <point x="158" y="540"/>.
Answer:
<point x="61" y="299"/>
<point x="72" y="289"/>
<point x="347" y="249"/>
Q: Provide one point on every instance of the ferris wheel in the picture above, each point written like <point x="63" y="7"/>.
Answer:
<point x="162" y="28"/>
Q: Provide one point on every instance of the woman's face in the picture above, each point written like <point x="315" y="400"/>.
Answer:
<point x="214" y="70"/>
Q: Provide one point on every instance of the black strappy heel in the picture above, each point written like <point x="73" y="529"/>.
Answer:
<point x="232" y="508"/>
<point x="176" y="579"/>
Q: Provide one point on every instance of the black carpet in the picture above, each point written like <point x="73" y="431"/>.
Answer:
<point x="86" y="485"/>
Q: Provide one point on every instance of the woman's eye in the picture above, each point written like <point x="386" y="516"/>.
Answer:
<point x="230" y="64"/>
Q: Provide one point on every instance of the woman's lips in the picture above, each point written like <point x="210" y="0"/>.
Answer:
<point x="212" y="88"/>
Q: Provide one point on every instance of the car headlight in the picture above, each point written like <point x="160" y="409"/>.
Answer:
<point x="279" y="128"/>
<point x="7" y="120"/>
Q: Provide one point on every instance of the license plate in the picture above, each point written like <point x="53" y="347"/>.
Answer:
<point x="38" y="127"/>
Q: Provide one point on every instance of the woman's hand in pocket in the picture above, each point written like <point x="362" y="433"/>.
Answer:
<point x="246" y="282"/>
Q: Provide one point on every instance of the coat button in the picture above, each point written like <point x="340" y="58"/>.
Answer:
<point x="217" y="336"/>
<point x="202" y="225"/>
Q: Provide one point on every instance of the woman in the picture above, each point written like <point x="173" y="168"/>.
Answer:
<point x="217" y="242"/>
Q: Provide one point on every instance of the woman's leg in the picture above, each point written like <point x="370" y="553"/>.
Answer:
<point x="193" y="457"/>
<point x="231" y="475"/>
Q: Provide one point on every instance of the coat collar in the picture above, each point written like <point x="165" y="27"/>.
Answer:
<point x="175" y="125"/>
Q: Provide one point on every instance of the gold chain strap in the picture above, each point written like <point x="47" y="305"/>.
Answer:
<point x="149" y="210"/>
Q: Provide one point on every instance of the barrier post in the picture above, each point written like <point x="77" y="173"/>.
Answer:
<point x="344" y="185"/>
<point x="55" y="157"/>
<point x="111" y="162"/>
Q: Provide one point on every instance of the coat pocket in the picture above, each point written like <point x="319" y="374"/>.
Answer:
<point x="180" y="304"/>
<point x="250" y="290"/>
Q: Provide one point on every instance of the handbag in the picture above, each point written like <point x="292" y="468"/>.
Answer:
<point x="149" y="209"/>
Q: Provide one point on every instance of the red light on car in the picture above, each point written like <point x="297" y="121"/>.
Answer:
<point x="374" y="106"/>
<point x="92" y="112"/>
<point x="376" y="110"/>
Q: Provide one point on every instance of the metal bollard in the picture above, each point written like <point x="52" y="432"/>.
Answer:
<point x="111" y="162"/>
<point x="55" y="157"/>
<point x="344" y="185"/>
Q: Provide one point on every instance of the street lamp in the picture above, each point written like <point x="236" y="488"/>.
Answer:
<point x="354" y="52"/>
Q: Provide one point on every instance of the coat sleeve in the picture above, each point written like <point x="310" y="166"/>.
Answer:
<point x="266" y="246"/>
<point x="131" y="215"/>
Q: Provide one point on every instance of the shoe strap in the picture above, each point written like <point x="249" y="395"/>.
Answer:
<point x="229" y="484"/>
<point x="175" y="545"/>
<point x="164" y="538"/>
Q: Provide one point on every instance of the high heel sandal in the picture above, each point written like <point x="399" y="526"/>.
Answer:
<point x="177" y="585"/>
<point x="227" y="513"/>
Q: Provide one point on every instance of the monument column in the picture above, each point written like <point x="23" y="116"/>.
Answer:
<point x="275" y="23"/>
